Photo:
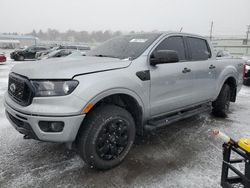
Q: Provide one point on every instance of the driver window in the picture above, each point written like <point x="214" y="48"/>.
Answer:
<point x="173" y="43"/>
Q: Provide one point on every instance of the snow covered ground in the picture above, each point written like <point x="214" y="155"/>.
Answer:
<point x="182" y="155"/>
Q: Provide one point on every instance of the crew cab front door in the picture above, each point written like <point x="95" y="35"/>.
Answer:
<point x="171" y="83"/>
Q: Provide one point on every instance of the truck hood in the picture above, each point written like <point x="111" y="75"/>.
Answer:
<point x="67" y="68"/>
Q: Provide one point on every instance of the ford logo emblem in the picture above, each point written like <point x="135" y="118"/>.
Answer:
<point x="12" y="88"/>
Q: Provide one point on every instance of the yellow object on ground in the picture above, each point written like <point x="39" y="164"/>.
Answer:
<point x="245" y="144"/>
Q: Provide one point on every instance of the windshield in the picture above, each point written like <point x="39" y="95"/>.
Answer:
<point x="53" y="53"/>
<point x="126" y="46"/>
<point x="76" y="54"/>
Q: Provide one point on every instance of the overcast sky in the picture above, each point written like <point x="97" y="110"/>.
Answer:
<point x="230" y="17"/>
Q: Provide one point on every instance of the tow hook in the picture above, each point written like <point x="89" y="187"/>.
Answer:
<point x="26" y="137"/>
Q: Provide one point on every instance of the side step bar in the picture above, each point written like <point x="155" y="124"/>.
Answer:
<point x="166" y="120"/>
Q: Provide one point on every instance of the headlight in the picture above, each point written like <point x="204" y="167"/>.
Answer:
<point x="53" y="87"/>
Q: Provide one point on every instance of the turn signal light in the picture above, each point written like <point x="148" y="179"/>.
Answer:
<point x="87" y="108"/>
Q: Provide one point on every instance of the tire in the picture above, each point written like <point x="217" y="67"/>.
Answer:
<point x="222" y="103"/>
<point x="246" y="82"/>
<point x="106" y="137"/>
<point x="20" y="58"/>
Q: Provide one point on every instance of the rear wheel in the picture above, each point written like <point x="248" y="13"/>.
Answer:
<point x="247" y="82"/>
<point x="222" y="103"/>
<point x="106" y="136"/>
<point x="20" y="58"/>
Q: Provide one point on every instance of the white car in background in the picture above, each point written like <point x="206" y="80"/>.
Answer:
<point x="57" y="53"/>
<point x="222" y="54"/>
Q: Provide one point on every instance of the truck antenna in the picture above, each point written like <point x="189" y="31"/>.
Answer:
<point x="211" y="30"/>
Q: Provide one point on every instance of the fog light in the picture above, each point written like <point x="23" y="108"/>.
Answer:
<point x="51" y="126"/>
<point x="57" y="126"/>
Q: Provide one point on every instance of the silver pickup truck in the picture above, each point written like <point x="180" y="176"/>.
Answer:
<point x="126" y="86"/>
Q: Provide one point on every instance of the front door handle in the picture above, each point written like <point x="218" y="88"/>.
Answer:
<point x="212" y="67"/>
<point x="185" y="70"/>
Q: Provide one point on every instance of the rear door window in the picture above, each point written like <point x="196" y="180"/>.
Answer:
<point x="199" y="49"/>
<point x="175" y="43"/>
<point x="83" y="48"/>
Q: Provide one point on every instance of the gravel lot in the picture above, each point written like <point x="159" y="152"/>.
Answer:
<point x="184" y="154"/>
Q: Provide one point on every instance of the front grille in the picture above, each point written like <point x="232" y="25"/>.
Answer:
<point x="19" y="123"/>
<point x="20" y="89"/>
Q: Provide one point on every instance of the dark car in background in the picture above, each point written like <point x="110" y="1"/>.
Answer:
<point x="70" y="47"/>
<point x="27" y="53"/>
<point x="2" y="58"/>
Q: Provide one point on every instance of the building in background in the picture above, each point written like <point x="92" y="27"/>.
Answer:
<point x="9" y="44"/>
<point x="17" y="41"/>
<point x="236" y="46"/>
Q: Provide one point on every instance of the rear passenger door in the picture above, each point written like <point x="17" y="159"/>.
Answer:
<point x="171" y="83"/>
<point x="29" y="52"/>
<point x="203" y="68"/>
<point x="36" y="49"/>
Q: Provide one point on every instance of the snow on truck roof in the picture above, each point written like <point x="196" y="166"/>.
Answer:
<point x="169" y="33"/>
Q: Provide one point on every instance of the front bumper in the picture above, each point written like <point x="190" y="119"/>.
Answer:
<point x="27" y="124"/>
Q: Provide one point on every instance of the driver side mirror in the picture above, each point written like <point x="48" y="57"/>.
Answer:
<point x="164" y="56"/>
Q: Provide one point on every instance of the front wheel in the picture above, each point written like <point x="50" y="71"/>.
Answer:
<point x="106" y="136"/>
<point x="222" y="103"/>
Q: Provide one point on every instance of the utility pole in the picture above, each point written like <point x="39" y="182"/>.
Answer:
<point x="248" y="31"/>
<point x="211" y="30"/>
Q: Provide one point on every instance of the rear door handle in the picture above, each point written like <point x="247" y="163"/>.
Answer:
<point x="212" y="67"/>
<point x="185" y="70"/>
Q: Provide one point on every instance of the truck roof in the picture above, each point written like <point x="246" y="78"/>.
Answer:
<point x="178" y="33"/>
